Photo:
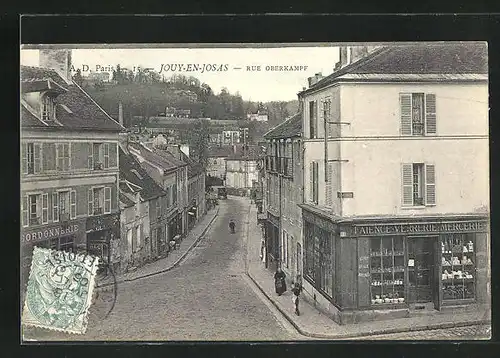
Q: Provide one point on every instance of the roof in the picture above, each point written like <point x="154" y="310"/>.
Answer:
<point x="418" y="59"/>
<point x="165" y="161"/>
<point x="291" y="127"/>
<point x="194" y="168"/>
<point x="75" y="109"/>
<point x="253" y="152"/>
<point x="125" y="200"/>
<point x="220" y="151"/>
<point x="131" y="171"/>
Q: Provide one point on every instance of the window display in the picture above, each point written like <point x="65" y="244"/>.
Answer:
<point x="387" y="270"/>
<point x="458" y="266"/>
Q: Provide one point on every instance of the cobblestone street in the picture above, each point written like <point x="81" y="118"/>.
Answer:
<point x="205" y="298"/>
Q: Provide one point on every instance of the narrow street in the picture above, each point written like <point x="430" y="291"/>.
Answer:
<point x="207" y="297"/>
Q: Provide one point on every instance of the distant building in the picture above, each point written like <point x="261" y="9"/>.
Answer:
<point x="241" y="167"/>
<point x="99" y="76"/>
<point x="216" y="166"/>
<point x="259" y="116"/>
<point x="176" y="112"/>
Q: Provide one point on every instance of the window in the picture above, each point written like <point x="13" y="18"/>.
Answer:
<point x="45" y="208"/>
<point x="64" y="206"/>
<point x="174" y="194"/>
<point x="387" y="270"/>
<point x="35" y="209"/>
<point x="158" y="207"/>
<point x="99" y="156"/>
<point x="418" y="113"/>
<point x="48" y="108"/>
<point x="314" y="185"/>
<point x="319" y="259"/>
<point x="327" y="116"/>
<point x="138" y="236"/>
<point x="419" y="187"/>
<point x="313" y="124"/>
<point x="98" y="202"/>
<point x="31" y="158"/>
<point x="63" y="156"/>
<point x="458" y="266"/>
<point x="73" y="204"/>
<point x="328" y="185"/>
<point x="67" y="243"/>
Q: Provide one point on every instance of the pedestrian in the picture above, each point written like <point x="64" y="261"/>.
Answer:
<point x="231" y="226"/>
<point x="279" y="281"/>
<point x="296" y="290"/>
<point x="262" y="246"/>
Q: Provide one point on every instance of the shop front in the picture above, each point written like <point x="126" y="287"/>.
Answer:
<point x="375" y="269"/>
<point x="272" y="241"/>
<point x="192" y="215"/>
<point x="172" y="225"/>
<point x="102" y="233"/>
<point x="68" y="236"/>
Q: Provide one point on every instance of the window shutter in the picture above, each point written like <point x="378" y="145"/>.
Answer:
<point x="67" y="157"/>
<point x="24" y="218"/>
<point x="24" y="156"/>
<point x="311" y="181"/>
<point x="45" y="208"/>
<point x="106" y="155"/>
<point x="407" y="181"/>
<point x="328" y="184"/>
<point x="91" y="201"/>
<point x="73" y="204"/>
<point x="430" y="185"/>
<point x="430" y="113"/>
<point x="91" y="156"/>
<point x="107" y="200"/>
<point x="37" y="158"/>
<point x="405" y="107"/>
<point x="55" y="208"/>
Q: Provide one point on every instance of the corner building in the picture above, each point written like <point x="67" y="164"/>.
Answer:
<point x="396" y="211"/>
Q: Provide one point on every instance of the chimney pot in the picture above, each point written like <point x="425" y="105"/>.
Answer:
<point x="57" y="60"/>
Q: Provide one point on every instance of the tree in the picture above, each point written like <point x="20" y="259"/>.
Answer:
<point x="78" y="77"/>
<point x="198" y="139"/>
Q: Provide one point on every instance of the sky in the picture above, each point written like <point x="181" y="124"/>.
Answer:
<point x="218" y="67"/>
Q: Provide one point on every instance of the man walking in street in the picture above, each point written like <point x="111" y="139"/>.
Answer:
<point x="296" y="290"/>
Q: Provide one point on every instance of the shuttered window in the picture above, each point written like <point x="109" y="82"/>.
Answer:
<point x="430" y="113"/>
<point x="48" y="157"/>
<point x="313" y="124"/>
<point x="328" y="185"/>
<point x="418" y="113"/>
<point x="73" y="204"/>
<point x="314" y="182"/>
<point x="90" y="160"/>
<point x="24" y="218"/>
<point x="106" y="155"/>
<point x="311" y="181"/>
<point x="430" y="185"/>
<point x="107" y="200"/>
<point x="63" y="157"/>
<point x="416" y="179"/>
<point x="45" y="208"/>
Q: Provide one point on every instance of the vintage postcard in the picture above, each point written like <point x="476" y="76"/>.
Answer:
<point x="255" y="192"/>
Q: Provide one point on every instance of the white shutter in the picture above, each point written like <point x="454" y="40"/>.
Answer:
<point x="73" y="204"/>
<point x="37" y="158"/>
<point x="107" y="200"/>
<point x="24" y="156"/>
<point x="430" y="113"/>
<point x="24" y="218"/>
<point x="91" y="201"/>
<point x="407" y="183"/>
<point x="45" y="208"/>
<point x="311" y="181"/>
<point x="430" y="185"/>
<point x="106" y="155"/>
<point x="328" y="184"/>
<point x="55" y="207"/>
<point x="90" y="159"/>
<point x="405" y="108"/>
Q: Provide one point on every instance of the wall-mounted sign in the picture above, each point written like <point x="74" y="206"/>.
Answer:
<point x="419" y="228"/>
<point x="345" y="195"/>
<point x="52" y="232"/>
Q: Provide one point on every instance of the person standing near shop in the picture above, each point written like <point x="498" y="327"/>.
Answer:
<point x="296" y="290"/>
<point x="279" y="281"/>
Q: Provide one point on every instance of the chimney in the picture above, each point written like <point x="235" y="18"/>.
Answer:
<point x="318" y="76"/>
<point x="120" y="113"/>
<point x="57" y="60"/>
<point x="310" y="81"/>
<point x="343" y="56"/>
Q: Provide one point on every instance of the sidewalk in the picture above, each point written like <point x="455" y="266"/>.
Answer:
<point x="315" y="324"/>
<point x="169" y="262"/>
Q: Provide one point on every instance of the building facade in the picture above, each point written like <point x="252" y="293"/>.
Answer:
<point x="241" y="167"/>
<point x="397" y="195"/>
<point x="283" y="194"/>
<point x="69" y="165"/>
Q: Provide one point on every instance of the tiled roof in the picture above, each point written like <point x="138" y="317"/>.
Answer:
<point x="252" y="153"/>
<point x="433" y="58"/>
<point x="84" y="112"/>
<point x="164" y="161"/>
<point x="220" y="151"/>
<point x="131" y="170"/>
<point x="292" y="127"/>
<point x="125" y="200"/>
<point x="169" y="156"/>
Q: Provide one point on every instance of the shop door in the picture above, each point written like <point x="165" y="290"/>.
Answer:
<point x="421" y="269"/>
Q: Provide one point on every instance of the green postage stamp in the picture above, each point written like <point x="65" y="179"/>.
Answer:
<point x="59" y="291"/>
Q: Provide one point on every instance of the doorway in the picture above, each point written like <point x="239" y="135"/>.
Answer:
<point x="421" y="269"/>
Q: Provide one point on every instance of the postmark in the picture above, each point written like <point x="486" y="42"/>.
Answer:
<point x="60" y="290"/>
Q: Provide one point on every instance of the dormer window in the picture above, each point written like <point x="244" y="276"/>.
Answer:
<point x="48" y="108"/>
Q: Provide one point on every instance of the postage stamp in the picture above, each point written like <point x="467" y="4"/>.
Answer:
<point x="60" y="289"/>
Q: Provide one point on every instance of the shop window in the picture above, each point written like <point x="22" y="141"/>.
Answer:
<point x="458" y="266"/>
<point x="66" y="243"/>
<point x="319" y="262"/>
<point x="387" y="270"/>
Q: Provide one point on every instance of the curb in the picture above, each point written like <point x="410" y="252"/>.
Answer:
<point x="444" y="325"/>
<point x="175" y="264"/>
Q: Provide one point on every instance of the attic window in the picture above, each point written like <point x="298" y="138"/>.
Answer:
<point x="48" y="108"/>
<point x="136" y="173"/>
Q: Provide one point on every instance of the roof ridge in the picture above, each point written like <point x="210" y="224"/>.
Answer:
<point x="282" y="123"/>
